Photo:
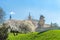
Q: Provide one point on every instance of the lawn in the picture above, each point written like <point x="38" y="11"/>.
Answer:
<point x="48" y="35"/>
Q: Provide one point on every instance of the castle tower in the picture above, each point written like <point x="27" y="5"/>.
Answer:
<point x="41" y="21"/>
<point x="51" y="24"/>
<point x="29" y="17"/>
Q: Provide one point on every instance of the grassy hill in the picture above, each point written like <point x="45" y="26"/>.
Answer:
<point x="48" y="35"/>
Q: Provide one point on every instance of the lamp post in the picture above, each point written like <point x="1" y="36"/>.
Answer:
<point x="11" y="13"/>
<point x="10" y="17"/>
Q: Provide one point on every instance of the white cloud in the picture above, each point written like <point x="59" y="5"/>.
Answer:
<point x="12" y="12"/>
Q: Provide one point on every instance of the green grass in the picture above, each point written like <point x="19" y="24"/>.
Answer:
<point x="28" y="36"/>
<point x="48" y="35"/>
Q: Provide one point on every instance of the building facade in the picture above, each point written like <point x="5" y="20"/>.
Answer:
<point x="31" y="24"/>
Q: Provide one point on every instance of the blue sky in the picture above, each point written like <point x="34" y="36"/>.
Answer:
<point x="49" y="8"/>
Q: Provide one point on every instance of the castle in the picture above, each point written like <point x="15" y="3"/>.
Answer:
<point x="30" y="24"/>
<point x="39" y="24"/>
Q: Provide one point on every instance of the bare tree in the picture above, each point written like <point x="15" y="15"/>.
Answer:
<point x="2" y="15"/>
<point x="3" y="29"/>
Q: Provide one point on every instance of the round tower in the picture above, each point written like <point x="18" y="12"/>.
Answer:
<point x="41" y="21"/>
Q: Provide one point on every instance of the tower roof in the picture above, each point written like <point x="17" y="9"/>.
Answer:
<point x="42" y="16"/>
<point x="29" y="17"/>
